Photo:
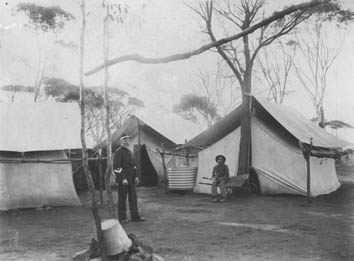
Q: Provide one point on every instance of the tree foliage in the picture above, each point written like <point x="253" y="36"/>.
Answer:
<point x="333" y="12"/>
<point x="219" y="89"/>
<point x="193" y="106"/>
<point x="51" y="18"/>
<point x="13" y="89"/>
<point x="317" y="49"/>
<point x="337" y="124"/>
<point x="46" y="22"/>
<point x="17" y="88"/>
<point x="121" y="103"/>
<point x="64" y="91"/>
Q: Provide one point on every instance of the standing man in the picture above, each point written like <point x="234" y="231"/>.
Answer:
<point x="124" y="168"/>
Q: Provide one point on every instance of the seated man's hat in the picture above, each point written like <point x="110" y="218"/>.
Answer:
<point x="220" y="157"/>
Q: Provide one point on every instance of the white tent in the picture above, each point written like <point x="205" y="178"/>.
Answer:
<point x="34" y="169"/>
<point x="150" y="140"/>
<point x="276" y="157"/>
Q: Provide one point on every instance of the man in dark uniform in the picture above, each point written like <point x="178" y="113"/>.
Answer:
<point x="220" y="176"/>
<point x="124" y="168"/>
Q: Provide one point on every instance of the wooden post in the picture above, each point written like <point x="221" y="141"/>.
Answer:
<point x="164" y="166"/>
<point x="138" y="123"/>
<point x="307" y="153"/>
<point x="100" y="175"/>
<point x="307" y="158"/>
<point x="309" y="173"/>
<point x="138" y="152"/>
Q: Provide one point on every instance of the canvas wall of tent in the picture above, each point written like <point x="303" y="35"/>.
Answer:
<point x="277" y="162"/>
<point x="34" y="168"/>
<point x="152" y="172"/>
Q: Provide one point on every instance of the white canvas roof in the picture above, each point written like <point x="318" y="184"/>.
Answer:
<point x="302" y="128"/>
<point x="39" y="126"/>
<point x="294" y="123"/>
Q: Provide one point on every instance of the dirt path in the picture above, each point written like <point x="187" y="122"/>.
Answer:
<point x="191" y="227"/>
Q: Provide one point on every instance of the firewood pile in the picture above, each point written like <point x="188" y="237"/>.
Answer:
<point x="137" y="252"/>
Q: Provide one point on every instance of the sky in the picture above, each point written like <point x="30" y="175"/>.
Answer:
<point x="154" y="28"/>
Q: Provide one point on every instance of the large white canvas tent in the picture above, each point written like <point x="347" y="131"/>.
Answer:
<point x="34" y="168"/>
<point x="276" y="157"/>
<point x="150" y="140"/>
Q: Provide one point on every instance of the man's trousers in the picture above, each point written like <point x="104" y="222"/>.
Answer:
<point x="221" y="184"/>
<point x="129" y="191"/>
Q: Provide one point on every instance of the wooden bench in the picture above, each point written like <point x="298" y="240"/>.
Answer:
<point x="236" y="182"/>
<point x="232" y="183"/>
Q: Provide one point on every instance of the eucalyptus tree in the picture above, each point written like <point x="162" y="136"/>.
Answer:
<point x="47" y="23"/>
<point x="319" y="43"/>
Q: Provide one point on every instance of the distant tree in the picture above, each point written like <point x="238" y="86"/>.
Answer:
<point x="317" y="51"/>
<point x="122" y="109"/>
<point x="217" y="87"/>
<point x="333" y="125"/>
<point x="85" y="162"/>
<point x="337" y="124"/>
<point x="63" y="91"/>
<point x="275" y="63"/>
<point x="13" y="89"/>
<point x="121" y="103"/>
<point x="193" y="106"/>
<point x="47" y="23"/>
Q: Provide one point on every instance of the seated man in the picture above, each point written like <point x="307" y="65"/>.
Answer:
<point x="220" y="177"/>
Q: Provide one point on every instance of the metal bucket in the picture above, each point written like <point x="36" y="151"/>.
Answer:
<point x="182" y="178"/>
<point x="115" y="237"/>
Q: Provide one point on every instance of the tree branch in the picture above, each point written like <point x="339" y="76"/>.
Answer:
<point x="186" y="55"/>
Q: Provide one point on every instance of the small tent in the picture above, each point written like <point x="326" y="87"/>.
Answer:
<point x="150" y="140"/>
<point x="34" y="168"/>
<point x="276" y="158"/>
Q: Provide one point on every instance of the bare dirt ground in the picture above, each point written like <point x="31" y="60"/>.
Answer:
<point x="191" y="227"/>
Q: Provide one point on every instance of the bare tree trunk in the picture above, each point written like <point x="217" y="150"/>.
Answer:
<point x="94" y="208"/>
<point x="244" y="160"/>
<point x="42" y="64"/>
<point x="318" y="57"/>
<point x="109" y="168"/>
<point x="36" y="83"/>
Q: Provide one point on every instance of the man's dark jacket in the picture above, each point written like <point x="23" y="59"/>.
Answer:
<point x="123" y="158"/>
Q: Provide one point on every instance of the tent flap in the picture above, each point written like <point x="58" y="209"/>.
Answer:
<point x="31" y="185"/>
